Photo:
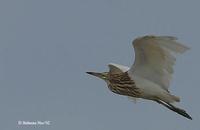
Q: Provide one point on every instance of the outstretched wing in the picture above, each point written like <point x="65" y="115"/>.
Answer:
<point x="155" y="57"/>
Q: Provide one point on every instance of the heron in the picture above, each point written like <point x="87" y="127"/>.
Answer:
<point x="150" y="75"/>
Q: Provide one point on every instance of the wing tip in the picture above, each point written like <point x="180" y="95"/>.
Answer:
<point x="119" y="67"/>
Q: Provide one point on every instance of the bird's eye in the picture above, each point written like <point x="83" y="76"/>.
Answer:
<point x="104" y="77"/>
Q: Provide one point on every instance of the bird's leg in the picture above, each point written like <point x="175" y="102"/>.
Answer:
<point x="175" y="109"/>
<point x="164" y="104"/>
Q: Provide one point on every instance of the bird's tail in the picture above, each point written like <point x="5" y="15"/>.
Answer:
<point x="175" y="98"/>
<point x="175" y="109"/>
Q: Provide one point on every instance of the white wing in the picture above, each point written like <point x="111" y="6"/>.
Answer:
<point x="155" y="57"/>
<point x="116" y="68"/>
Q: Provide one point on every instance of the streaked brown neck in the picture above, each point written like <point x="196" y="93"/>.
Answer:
<point x="122" y="84"/>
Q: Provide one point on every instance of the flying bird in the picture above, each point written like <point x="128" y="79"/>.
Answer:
<point x="150" y="75"/>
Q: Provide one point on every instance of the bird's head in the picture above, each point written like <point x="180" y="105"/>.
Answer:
<point x="103" y="75"/>
<point x="113" y="69"/>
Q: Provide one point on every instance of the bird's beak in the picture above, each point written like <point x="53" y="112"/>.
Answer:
<point x="95" y="74"/>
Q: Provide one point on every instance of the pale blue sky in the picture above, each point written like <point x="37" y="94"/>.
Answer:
<point x="46" y="46"/>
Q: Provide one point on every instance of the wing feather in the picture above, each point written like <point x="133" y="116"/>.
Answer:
<point x="155" y="57"/>
<point x="116" y="68"/>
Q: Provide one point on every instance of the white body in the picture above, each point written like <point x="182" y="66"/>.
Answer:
<point x="150" y="90"/>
